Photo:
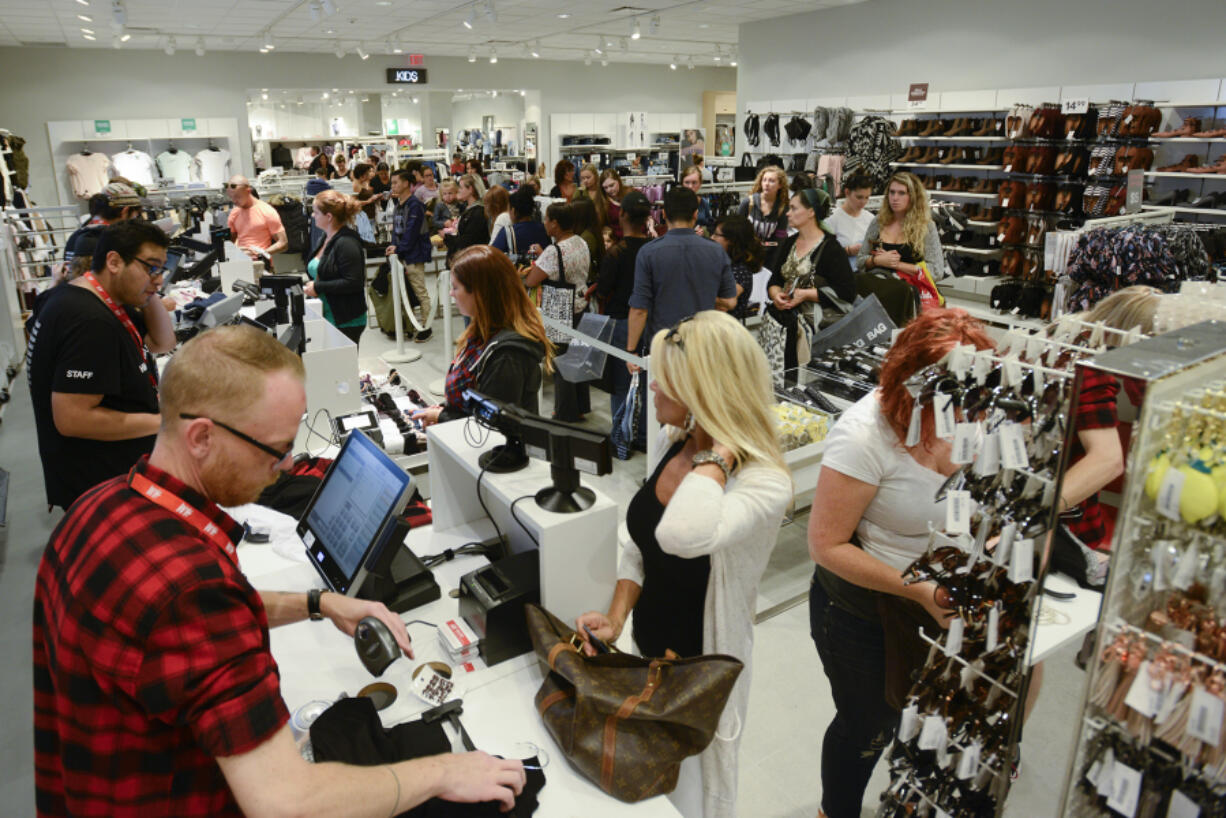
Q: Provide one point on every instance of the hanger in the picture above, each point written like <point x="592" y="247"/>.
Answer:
<point x="85" y="151"/>
<point x="170" y="147"/>
<point x="213" y="147"/>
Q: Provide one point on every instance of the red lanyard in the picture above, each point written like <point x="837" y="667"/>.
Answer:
<point x="123" y="319"/>
<point x="182" y="508"/>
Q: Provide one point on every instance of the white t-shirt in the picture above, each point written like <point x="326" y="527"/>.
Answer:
<point x="175" y="167"/>
<point x="576" y="259"/>
<point x="213" y="167"/>
<point x="850" y="229"/>
<point x="88" y="173"/>
<point x="136" y="166"/>
<point x="501" y="222"/>
<point x="894" y="528"/>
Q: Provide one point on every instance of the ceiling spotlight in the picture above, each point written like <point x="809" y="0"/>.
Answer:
<point x="125" y="37"/>
<point x="468" y="23"/>
<point x="85" y="18"/>
<point x="268" y="43"/>
<point x="328" y="6"/>
<point x="171" y="45"/>
<point x="493" y="56"/>
<point x="490" y="12"/>
<point x="523" y="93"/>
<point x="493" y="93"/>
<point x="199" y="46"/>
<point x="339" y="51"/>
<point x="472" y="54"/>
<point x="89" y="37"/>
<point x="119" y="14"/>
<point x="625" y="44"/>
<point x="587" y="58"/>
<point x="689" y="63"/>
<point x="414" y="100"/>
<point x="536" y="50"/>
<point x="263" y="50"/>
<point x="653" y="27"/>
<point x="732" y="61"/>
<point x="264" y="96"/>
<point x="563" y="16"/>
<point x="605" y="62"/>
<point x="673" y="64"/>
<point x="115" y="43"/>
<point x="316" y="11"/>
<point x="325" y="95"/>
<point x="637" y="31"/>
<point x="83" y="2"/>
<point x="358" y="50"/>
<point x="87" y="30"/>
<point x="598" y="49"/>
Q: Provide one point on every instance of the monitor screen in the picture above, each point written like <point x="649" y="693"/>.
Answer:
<point x="353" y="513"/>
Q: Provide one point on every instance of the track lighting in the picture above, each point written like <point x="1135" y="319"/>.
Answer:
<point x="171" y="45"/>
<point x="89" y="36"/>
<point x="83" y="2"/>
<point x="690" y="62"/>
<point x="494" y="94"/>
<point x="362" y="54"/>
<point x="587" y="58"/>
<point x="598" y="48"/>
<point x="625" y="44"/>
<point x="637" y="31"/>
<point x="199" y="46"/>
<point x="123" y="38"/>
<point x="119" y="14"/>
<point x="468" y="23"/>
<point x="339" y="51"/>
<point x="673" y="64"/>
<point x="316" y="11"/>
<point x="605" y="62"/>
<point x="115" y="43"/>
<point x="414" y="100"/>
<point x="732" y="60"/>
<point x="85" y="18"/>
<point x="268" y="43"/>
<point x="493" y="56"/>
<point x="653" y="27"/>
<point x="536" y="50"/>
<point x="472" y="54"/>
<point x="490" y="12"/>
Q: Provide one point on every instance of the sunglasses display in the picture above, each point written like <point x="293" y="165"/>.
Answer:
<point x="1152" y="736"/>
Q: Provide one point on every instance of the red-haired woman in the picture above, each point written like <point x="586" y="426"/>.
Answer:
<point x="499" y="353"/>
<point x="869" y="521"/>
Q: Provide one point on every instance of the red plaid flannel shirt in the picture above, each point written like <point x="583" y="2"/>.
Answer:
<point x="151" y="658"/>
<point x="1095" y="410"/>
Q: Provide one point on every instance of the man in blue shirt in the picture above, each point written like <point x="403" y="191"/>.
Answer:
<point x="411" y="239"/>
<point x="678" y="274"/>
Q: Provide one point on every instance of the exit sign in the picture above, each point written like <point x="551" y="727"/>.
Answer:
<point x="406" y="76"/>
<point x="416" y="60"/>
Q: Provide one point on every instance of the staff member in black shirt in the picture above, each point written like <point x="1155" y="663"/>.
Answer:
<point x="613" y="288"/>
<point x="92" y="379"/>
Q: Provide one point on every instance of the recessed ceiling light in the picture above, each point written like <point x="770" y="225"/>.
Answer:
<point x="563" y="16"/>
<point x="83" y="2"/>
<point x="383" y="2"/>
<point x="330" y="31"/>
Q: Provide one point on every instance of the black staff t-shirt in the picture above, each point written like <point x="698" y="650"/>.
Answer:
<point x="78" y="346"/>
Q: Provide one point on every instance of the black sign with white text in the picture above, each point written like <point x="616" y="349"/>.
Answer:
<point x="406" y="76"/>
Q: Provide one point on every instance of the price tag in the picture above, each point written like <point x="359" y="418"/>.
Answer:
<point x="1125" y="790"/>
<point x="1075" y="106"/>
<point x="958" y="512"/>
<point x="908" y="725"/>
<point x="1205" y="717"/>
<point x="1004" y="546"/>
<point x="943" y="410"/>
<point x="988" y="461"/>
<point x="981" y="368"/>
<point x="1012" y="371"/>
<point x="968" y="762"/>
<point x="1169" y="699"/>
<point x="916" y="426"/>
<point x="966" y="443"/>
<point x="933" y="734"/>
<point x="1185" y="571"/>
<point x="993" y="634"/>
<point x="953" y="637"/>
<point x="1013" y="447"/>
<point x="1021" y="561"/>
<point x="1143" y="696"/>
<point x="1169" y="494"/>
<point x="1182" y="806"/>
<point x="1101" y="777"/>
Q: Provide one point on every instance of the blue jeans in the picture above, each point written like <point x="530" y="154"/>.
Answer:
<point x="620" y="377"/>
<point x="852" y="651"/>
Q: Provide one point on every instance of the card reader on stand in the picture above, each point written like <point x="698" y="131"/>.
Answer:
<point x="492" y="601"/>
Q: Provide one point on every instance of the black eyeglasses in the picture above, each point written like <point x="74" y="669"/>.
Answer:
<point x="674" y="333"/>
<point x="152" y="268"/>
<point x="269" y="450"/>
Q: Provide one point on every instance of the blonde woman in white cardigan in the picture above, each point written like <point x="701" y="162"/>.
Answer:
<point x="703" y="526"/>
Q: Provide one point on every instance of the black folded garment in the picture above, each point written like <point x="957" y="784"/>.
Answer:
<point x="797" y="129"/>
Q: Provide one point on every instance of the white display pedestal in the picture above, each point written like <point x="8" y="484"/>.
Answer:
<point x="578" y="551"/>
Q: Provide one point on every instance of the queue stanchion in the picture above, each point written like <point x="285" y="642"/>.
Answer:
<point x="400" y="355"/>
<point x="439" y="387"/>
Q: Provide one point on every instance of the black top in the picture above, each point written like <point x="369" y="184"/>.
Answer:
<point x="669" y="611"/>
<point x="905" y="252"/>
<point x="743" y="274"/>
<point x="616" y="281"/>
<point x="341" y="277"/>
<point x="77" y="346"/>
<point x="472" y="229"/>
<point x="377" y="185"/>
<point x="509" y="370"/>
<point x="82" y="242"/>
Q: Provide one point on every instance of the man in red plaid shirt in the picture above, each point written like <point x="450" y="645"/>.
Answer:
<point x="155" y="692"/>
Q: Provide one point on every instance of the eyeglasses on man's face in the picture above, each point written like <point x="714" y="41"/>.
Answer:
<point x="264" y="447"/>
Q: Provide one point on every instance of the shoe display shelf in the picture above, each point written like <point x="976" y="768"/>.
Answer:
<point x="1195" y="138"/>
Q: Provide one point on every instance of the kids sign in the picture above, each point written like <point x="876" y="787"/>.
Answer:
<point x="406" y="76"/>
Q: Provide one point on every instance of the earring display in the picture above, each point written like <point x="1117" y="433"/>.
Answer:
<point x="1152" y="739"/>
<point x="1007" y="415"/>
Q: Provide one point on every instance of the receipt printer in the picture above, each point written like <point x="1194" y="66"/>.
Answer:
<point x="492" y="601"/>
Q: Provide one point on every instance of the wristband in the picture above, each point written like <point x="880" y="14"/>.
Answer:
<point x="313" y="597"/>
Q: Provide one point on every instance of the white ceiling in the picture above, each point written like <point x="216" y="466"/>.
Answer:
<point x="555" y="29"/>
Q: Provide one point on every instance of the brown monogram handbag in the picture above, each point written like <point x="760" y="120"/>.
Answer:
<point x="623" y="721"/>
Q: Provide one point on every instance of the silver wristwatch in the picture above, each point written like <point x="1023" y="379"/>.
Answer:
<point x="711" y="456"/>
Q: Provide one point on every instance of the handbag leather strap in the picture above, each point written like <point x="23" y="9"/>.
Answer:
<point x="553" y="698"/>
<point x="654" y="672"/>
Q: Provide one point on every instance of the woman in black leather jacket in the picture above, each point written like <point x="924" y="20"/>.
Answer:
<point x="337" y="264"/>
<point x="500" y="352"/>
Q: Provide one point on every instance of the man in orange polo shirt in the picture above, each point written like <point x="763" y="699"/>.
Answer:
<point x="254" y="225"/>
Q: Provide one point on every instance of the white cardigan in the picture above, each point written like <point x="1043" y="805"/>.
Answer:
<point x="737" y="527"/>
